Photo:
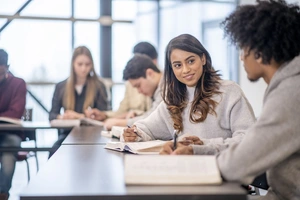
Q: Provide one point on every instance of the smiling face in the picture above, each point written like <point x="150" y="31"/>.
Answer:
<point x="82" y="66"/>
<point x="187" y="66"/>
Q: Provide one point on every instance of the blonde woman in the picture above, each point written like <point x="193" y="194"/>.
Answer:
<point x="80" y="91"/>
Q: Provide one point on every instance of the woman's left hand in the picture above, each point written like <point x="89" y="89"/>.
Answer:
<point x="191" y="140"/>
<point x="181" y="149"/>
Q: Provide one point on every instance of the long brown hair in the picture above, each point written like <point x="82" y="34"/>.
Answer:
<point x="92" y="83"/>
<point x="175" y="92"/>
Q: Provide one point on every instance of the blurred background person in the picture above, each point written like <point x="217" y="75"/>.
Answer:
<point x="12" y="104"/>
<point x="82" y="90"/>
<point x="133" y="103"/>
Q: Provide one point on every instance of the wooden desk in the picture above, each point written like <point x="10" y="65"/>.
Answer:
<point x="91" y="172"/>
<point x="87" y="135"/>
<point x="28" y="126"/>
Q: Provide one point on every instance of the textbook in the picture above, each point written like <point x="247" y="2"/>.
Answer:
<point x="149" y="147"/>
<point x="75" y="122"/>
<point x="172" y="170"/>
<point x="8" y="120"/>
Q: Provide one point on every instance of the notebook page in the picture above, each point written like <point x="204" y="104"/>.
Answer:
<point x="171" y="170"/>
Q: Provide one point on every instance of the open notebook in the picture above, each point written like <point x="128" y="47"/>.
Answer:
<point x="149" y="147"/>
<point x="75" y="122"/>
<point x="172" y="170"/>
<point x="8" y="120"/>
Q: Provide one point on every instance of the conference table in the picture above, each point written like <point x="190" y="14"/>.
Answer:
<point x="87" y="135"/>
<point x="28" y="126"/>
<point x="31" y="126"/>
<point x="86" y="170"/>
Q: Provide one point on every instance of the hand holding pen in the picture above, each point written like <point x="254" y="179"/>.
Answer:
<point x="181" y="149"/>
<point x="130" y="134"/>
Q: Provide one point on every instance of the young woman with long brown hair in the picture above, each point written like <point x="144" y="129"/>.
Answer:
<point x="197" y="102"/>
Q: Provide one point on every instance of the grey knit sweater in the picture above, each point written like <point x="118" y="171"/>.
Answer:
<point x="272" y="144"/>
<point x="234" y="116"/>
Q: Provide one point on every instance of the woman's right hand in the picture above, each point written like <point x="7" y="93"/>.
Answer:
<point x="181" y="149"/>
<point x="96" y="114"/>
<point x="71" y="114"/>
<point x="129" y="135"/>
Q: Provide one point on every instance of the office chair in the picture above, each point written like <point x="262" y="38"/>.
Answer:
<point x="260" y="182"/>
<point x="28" y="136"/>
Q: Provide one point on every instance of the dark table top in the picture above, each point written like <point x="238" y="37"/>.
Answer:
<point x="31" y="125"/>
<point x="28" y="126"/>
<point x="92" y="172"/>
<point x="87" y="135"/>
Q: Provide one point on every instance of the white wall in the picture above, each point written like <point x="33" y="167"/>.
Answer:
<point x="254" y="91"/>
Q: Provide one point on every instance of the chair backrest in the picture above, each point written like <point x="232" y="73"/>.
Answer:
<point x="261" y="182"/>
<point x="27" y="115"/>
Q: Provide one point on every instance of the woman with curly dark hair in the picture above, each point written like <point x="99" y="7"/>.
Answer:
<point x="197" y="102"/>
<point x="268" y="34"/>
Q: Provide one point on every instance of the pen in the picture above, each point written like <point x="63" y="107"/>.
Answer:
<point x="175" y="140"/>
<point x="135" y="132"/>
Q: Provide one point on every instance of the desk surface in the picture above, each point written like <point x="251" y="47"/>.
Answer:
<point x="28" y="125"/>
<point x="87" y="135"/>
<point x="92" y="172"/>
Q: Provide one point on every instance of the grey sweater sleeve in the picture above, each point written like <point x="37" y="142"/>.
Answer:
<point x="234" y="110"/>
<point x="272" y="139"/>
<point x="157" y="126"/>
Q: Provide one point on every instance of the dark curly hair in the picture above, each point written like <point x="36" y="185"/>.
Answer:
<point x="270" y="28"/>
<point x="175" y="92"/>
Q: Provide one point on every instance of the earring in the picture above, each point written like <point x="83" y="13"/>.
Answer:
<point x="91" y="73"/>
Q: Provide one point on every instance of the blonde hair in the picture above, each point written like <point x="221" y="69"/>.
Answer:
<point x="92" y="83"/>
